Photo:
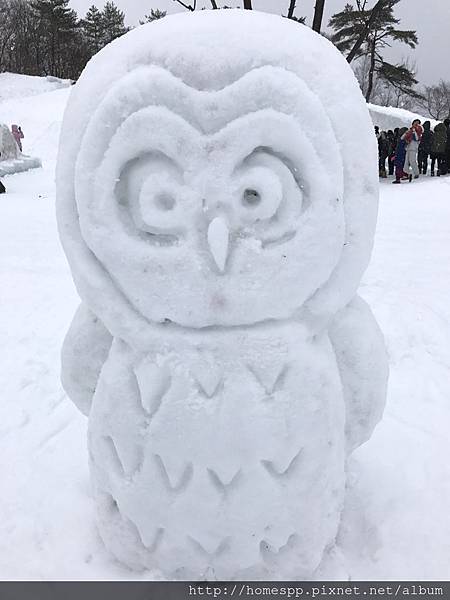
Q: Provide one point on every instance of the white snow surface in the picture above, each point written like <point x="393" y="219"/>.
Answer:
<point x="17" y="165"/>
<point x="40" y="117"/>
<point x="14" y="86"/>
<point x="396" y="524"/>
<point x="390" y="117"/>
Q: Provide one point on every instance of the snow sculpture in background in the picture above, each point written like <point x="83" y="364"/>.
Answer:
<point x="11" y="158"/>
<point x="217" y="198"/>
<point x="9" y="150"/>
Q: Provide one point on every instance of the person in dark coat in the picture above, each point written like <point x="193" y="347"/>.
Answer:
<point x="392" y="145"/>
<point x="425" y="147"/>
<point x="447" y="147"/>
<point x="438" y="149"/>
<point x="382" y="151"/>
<point x="400" y="155"/>
<point x="2" y="187"/>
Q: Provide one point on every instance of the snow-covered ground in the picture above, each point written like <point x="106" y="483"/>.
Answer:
<point x="14" y="86"/>
<point x="397" y="521"/>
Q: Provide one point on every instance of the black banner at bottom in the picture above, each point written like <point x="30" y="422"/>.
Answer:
<point x="158" y="590"/>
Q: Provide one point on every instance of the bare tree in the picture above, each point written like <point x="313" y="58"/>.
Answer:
<point x="247" y="5"/>
<point x="436" y="100"/>
<point x="6" y="31"/>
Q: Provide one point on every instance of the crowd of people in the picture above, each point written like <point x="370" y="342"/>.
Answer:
<point x="409" y="151"/>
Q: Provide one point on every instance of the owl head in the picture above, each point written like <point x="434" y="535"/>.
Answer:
<point x="216" y="169"/>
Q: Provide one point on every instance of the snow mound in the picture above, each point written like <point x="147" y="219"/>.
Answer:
<point x="217" y="235"/>
<point x="13" y="85"/>
<point x="389" y="117"/>
<point x="17" y="165"/>
<point x="40" y="117"/>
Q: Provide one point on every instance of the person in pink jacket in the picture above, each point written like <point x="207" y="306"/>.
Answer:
<point x="17" y="135"/>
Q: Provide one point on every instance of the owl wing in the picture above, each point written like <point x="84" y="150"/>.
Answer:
<point x="363" y="365"/>
<point x="84" y="352"/>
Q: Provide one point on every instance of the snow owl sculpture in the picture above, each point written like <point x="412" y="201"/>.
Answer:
<point x="217" y="198"/>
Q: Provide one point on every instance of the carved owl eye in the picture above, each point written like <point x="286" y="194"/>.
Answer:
<point x="259" y="195"/>
<point x="269" y="197"/>
<point x="251" y="198"/>
<point x="158" y="207"/>
<point x="153" y="198"/>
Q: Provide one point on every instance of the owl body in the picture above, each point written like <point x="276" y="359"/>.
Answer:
<point x="217" y="198"/>
<point x="257" y="480"/>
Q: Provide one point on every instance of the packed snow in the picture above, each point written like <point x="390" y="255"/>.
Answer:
<point x="396" y="523"/>
<point x="14" y="86"/>
<point x="389" y="117"/>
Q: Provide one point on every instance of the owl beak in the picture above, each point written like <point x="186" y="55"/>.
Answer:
<point x="218" y="241"/>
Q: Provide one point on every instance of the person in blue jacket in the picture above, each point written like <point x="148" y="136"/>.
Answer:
<point x="400" y="156"/>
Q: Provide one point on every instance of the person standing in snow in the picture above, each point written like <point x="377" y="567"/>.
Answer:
<point x="438" y="148"/>
<point x="382" y="151"/>
<point x="17" y="135"/>
<point x="425" y="147"/>
<point x="447" y="146"/>
<point x="400" y="155"/>
<point x="2" y="187"/>
<point x="392" y="145"/>
<point x="412" y="138"/>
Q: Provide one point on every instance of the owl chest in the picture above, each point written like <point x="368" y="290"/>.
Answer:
<point x="185" y="437"/>
<point x="233" y="401"/>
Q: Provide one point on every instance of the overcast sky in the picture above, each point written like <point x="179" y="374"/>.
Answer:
<point x="430" y="18"/>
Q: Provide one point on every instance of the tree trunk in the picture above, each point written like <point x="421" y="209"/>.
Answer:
<point x="318" y="15"/>
<point x="291" y="9"/>
<point x="371" y="70"/>
<point x="3" y="48"/>
<point x="364" y="33"/>
<point x="248" y="4"/>
<point x="214" y="4"/>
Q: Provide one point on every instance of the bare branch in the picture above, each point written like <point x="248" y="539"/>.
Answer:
<point x="435" y="99"/>
<point x="363" y="35"/>
<point x="187" y="6"/>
